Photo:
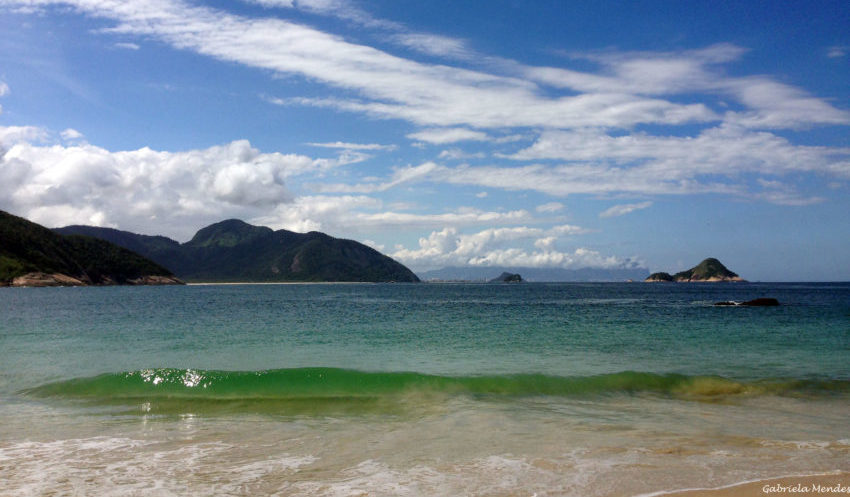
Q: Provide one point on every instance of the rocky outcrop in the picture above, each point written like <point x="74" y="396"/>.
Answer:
<point x="37" y="279"/>
<point x="156" y="280"/>
<point x="708" y="271"/>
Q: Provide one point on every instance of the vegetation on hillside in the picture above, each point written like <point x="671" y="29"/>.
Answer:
<point x="27" y="247"/>
<point x="233" y="250"/>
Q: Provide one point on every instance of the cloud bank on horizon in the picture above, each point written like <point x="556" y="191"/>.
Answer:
<point x="439" y="152"/>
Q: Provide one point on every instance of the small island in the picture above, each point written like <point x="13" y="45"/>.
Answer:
<point x="709" y="270"/>
<point x="507" y="278"/>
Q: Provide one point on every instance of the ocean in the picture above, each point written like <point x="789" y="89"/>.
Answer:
<point x="567" y="389"/>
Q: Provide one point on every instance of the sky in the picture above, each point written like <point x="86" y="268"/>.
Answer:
<point x="444" y="133"/>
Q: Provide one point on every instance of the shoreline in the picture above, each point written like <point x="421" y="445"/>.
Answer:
<point x="835" y="483"/>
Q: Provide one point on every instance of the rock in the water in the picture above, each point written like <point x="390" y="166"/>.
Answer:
<point x="760" y="302"/>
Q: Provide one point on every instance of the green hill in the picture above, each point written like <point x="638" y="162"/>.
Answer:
<point x="709" y="270"/>
<point x="233" y="250"/>
<point x="31" y="254"/>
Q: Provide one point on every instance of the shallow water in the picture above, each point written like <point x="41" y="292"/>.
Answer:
<point x="429" y="389"/>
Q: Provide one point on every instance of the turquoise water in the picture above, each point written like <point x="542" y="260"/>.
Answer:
<point x="425" y="389"/>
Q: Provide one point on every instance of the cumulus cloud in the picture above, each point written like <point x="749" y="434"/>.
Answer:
<point x="71" y="134"/>
<point x="171" y="193"/>
<point x="623" y="209"/>
<point x="10" y="135"/>
<point x="499" y="247"/>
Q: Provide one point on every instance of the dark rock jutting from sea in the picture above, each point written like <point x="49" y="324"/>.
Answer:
<point x="709" y="270"/>
<point x="507" y="278"/>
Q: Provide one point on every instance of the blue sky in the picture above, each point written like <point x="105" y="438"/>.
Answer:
<point x="551" y="134"/>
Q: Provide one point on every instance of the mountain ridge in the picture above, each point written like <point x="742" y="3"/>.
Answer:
<point x="233" y="250"/>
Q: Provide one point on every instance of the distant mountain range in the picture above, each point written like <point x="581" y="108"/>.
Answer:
<point x="534" y="274"/>
<point x="233" y="250"/>
<point x="32" y="255"/>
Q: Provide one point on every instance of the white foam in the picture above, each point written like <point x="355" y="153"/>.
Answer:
<point x="121" y="466"/>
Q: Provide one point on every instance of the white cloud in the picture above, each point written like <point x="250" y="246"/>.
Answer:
<point x="641" y="163"/>
<point x="448" y="135"/>
<point x="432" y="44"/>
<point x="354" y="146"/>
<point x="377" y="246"/>
<point x="498" y="247"/>
<point x="377" y="82"/>
<point x="481" y="195"/>
<point x="623" y="209"/>
<point x="274" y="3"/>
<point x="4" y="88"/>
<point x="769" y="104"/>
<point x="622" y="93"/>
<point x="409" y="174"/>
<point x="718" y="160"/>
<point x="457" y="154"/>
<point x="71" y="134"/>
<point x="127" y="46"/>
<point x="10" y="135"/>
<point x="361" y="213"/>
<point x="561" y="180"/>
<point x="172" y="193"/>
<point x="775" y="105"/>
<point x="566" y="230"/>
<point x="550" y="207"/>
